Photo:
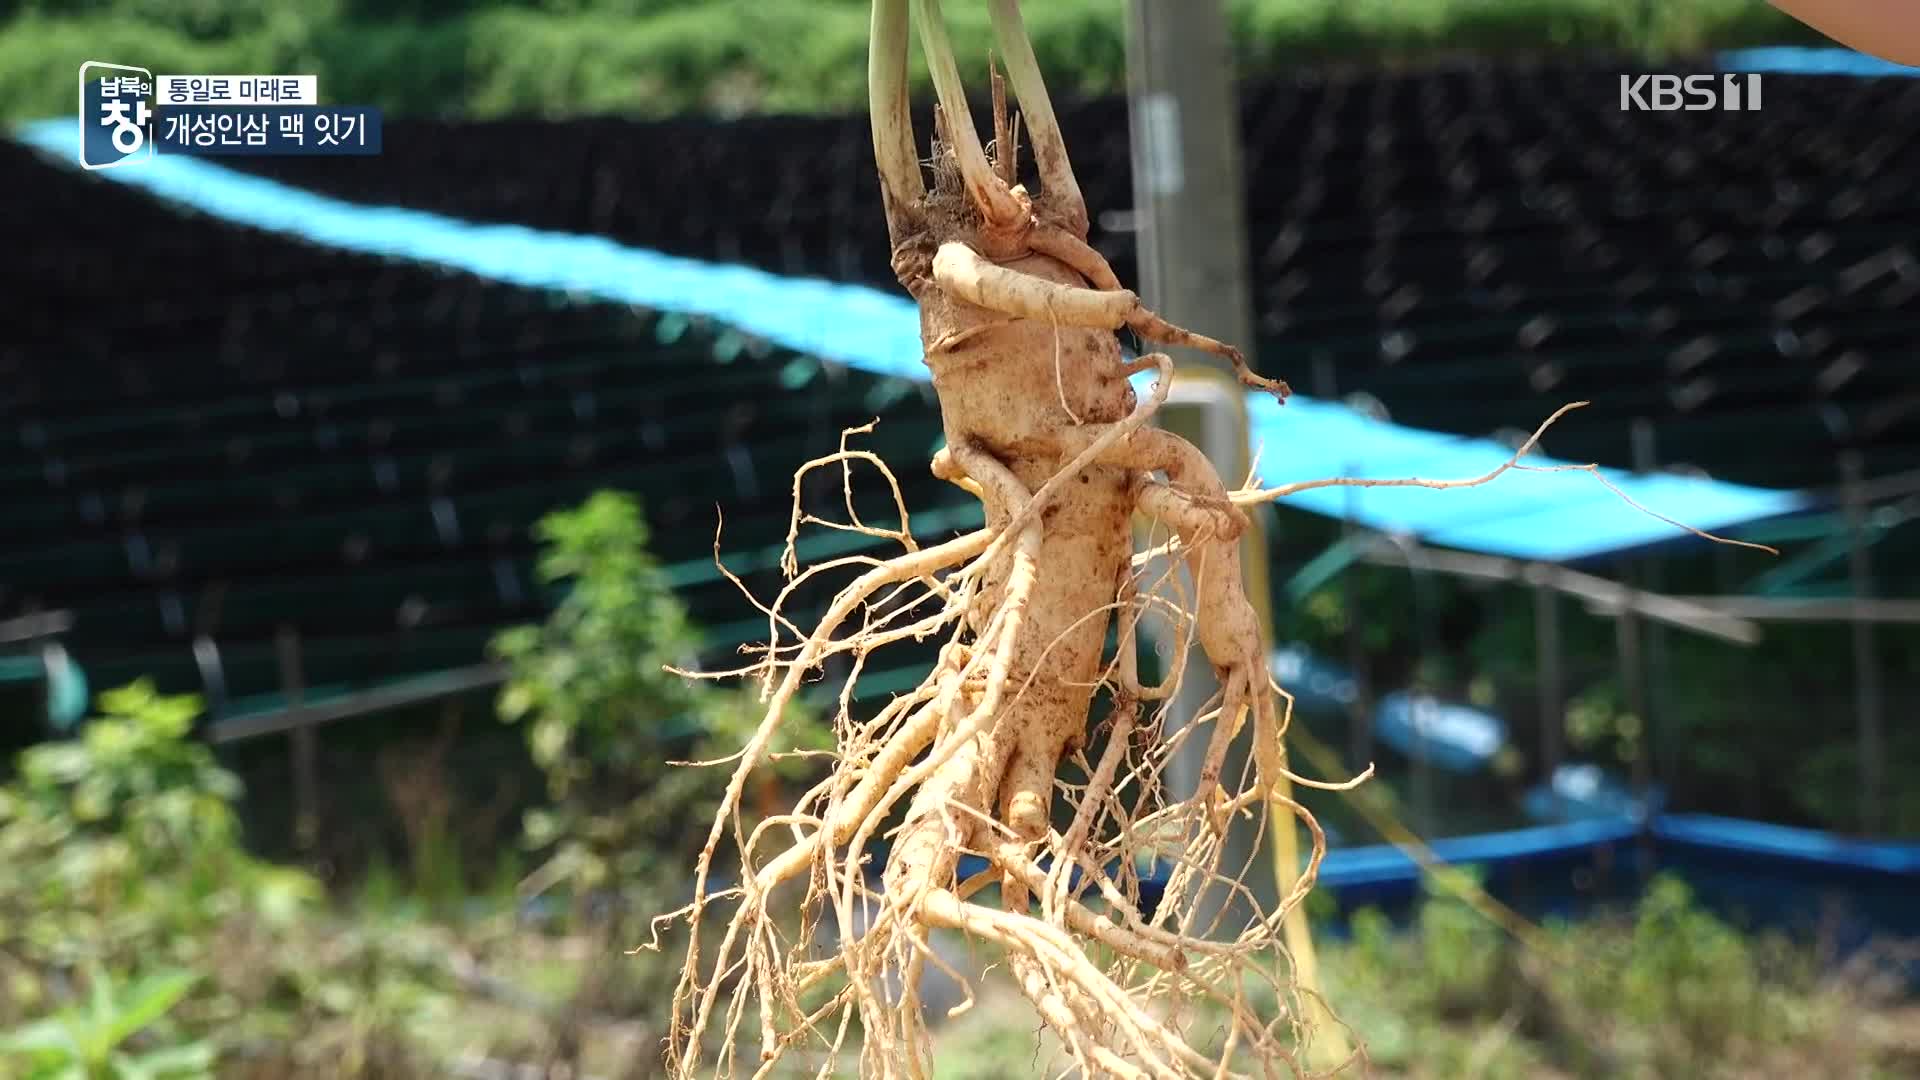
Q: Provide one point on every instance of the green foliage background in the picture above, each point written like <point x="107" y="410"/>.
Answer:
<point x="517" y="57"/>
<point x="140" y="937"/>
<point x="139" y="941"/>
<point x="605" y="718"/>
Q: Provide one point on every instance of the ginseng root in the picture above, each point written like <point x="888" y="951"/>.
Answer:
<point x="1043" y="426"/>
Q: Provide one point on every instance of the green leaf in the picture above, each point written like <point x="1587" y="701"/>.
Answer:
<point x="49" y="1036"/>
<point x="100" y="991"/>
<point x="515" y="701"/>
<point x="549" y="741"/>
<point x="93" y="799"/>
<point x="127" y="700"/>
<point x="126" y="1068"/>
<point x="147" y="1000"/>
<point x="281" y="894"/>
<point x="191" y="1060"/>
<point x="171" y="718"/>
<point x="55" y="763"/>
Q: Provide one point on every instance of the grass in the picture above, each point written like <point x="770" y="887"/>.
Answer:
<point x="1662" y="989"/>
<point x="1666" y="989"/>
<point x="656" y="57"/>
<point x="125" y="842"/>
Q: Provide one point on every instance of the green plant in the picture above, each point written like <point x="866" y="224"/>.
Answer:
<point x="1665" y="989"/>
<point x="122" y="853"/>
<point x="89" y="1040"/>
<point x="606" y="719"/>
<point x="604" y="715"/>
<point x="122" y="844"/>
<point x="370" y="997"/>
<point x="133" y="770"/>
<point x="1467" y="956"/>
<point x="1699" y="990"/>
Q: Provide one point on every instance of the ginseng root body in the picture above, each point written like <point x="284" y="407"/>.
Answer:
<point x="1034" y="390"/>
<point x="1019" y="322"/>
<point x="995" y="754"/>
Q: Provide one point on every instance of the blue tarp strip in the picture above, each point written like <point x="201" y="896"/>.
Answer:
<point x="869" y="329"/>
<point x="1385" y="864"/>
<point x="1757" y="839"/>
<point x="1793" y="60"/>
<point x="1531" y="515"/>
<point x="1525" y="513"/>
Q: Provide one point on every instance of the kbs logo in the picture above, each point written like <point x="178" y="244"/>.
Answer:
<point x="1670" y="93"/>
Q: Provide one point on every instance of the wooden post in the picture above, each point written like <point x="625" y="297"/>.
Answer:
<point x="302" y="743"/>
<point x="1188" y="196"/>
<point x="1657" y="736"/>
<point x="1629" y="654"/>
<point x="1191" y="237"/>
<point x="1547" y="662"/>
<point x="1866" y="661"/>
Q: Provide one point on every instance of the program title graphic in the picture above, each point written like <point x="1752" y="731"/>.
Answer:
<point x="127" y="115"/>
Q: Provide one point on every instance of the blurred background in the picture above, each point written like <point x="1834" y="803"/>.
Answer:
<point x="350" y="509"/>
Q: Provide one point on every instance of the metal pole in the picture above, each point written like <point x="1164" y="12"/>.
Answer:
<point x="1547" y="658"/>
<point x="1661" y="745"/>
<point x="301" y="743"/>
<point x="1715" y="617"/>
<point x="1188" y="192"/>
<point x="32" y="627"/>
<point x="1360" y="713"/>
<point x="1749" y="694"/>
<point x="1866" y="667"/>
<point x="1632" y="682"/>
<point x="1633" y="679"/>
<point x="1188" y="195"/>
<point x="1360" y="709"/>
<point x="1420" y="696"/>
<point x="1191" y="237"/>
